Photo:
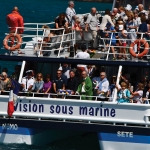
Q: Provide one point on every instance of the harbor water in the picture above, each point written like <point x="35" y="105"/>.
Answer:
<point x="46" y="11"/>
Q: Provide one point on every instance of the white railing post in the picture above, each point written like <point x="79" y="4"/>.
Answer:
<point x="16" y="31"/>
<point x="61" y="43"/>
<point x="109" y="46"/>
<point x="117" y="82"/>
<point x="22" y="70"/>
<point x="37" y="38"/>
<point x="74" y="37"/>
<point x="41" y="43"/>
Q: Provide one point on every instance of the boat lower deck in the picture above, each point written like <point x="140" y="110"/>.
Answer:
<point x="31" y="131"/>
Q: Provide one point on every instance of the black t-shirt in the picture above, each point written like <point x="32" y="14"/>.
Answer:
<point x="73" y="84"/>
<point x="60" y="24"/>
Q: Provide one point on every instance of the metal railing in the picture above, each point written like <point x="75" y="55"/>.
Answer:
<point x="39" y="32"/>
<point x="67" y="96"/>
<point x="52" y="95"/>
<point x="69" y="39"/>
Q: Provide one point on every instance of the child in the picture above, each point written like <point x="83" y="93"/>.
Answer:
<point x="123" y="93"/>
<point x="77" y="26"/>
<point x="122" y="35"/>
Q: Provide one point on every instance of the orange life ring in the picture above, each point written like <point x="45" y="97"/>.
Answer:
<point x="14" y="36"/>
<point x="138" y="42"/>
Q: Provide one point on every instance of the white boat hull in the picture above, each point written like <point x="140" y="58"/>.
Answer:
<point x="111" y="145"/>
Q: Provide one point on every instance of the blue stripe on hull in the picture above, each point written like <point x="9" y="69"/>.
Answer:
<point x="23" y="131"/>
<point x="106" y="132"/>
<point x="114" y="138"/>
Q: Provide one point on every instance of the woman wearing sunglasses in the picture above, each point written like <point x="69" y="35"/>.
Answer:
<point x="38" y="84"/>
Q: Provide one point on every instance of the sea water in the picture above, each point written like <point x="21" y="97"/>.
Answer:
<point x="44" y="11"/>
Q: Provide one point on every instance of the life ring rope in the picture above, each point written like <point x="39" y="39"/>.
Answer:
<point x="13" y="47"/>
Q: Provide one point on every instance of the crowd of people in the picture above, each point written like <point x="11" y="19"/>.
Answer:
<point x="124" y="25"/>
<point x="90" y="83"/>
<point x="117" y="28"/>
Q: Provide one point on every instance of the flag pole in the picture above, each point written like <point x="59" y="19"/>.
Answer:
<point x="22" y="70"/>
<point x="117" y="82"/>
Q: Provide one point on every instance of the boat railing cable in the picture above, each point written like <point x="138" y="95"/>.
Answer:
<point x="50" y="95"/>
<point x="41" y="24"/>
<point x="74" y="97"/>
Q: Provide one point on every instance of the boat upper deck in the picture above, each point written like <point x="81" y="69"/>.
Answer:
<point x="61" y="47"/>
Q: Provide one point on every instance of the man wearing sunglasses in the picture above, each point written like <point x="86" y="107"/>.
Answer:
<point x="59" y="82"/>
<point x="103" y="87"/>
<point x="27" y="81"/>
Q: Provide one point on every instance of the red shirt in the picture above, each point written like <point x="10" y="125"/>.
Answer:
<point x="15" y="20"/>
<point x="76" y="26"/>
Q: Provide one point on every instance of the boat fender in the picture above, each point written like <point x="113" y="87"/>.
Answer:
<point x="11" y="37"/>
<point x="139" y="42"/>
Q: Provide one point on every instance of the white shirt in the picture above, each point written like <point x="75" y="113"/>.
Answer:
<point x="138" y="98"/>
<point x="82" y="55"/>
<point x="137" y="21"/>
<point x="105" y="20"/>
<point x="83" y="88"/>
<point x="70" y="12"/>
<point x="92" y="21"/>
<point x="105" y="88"/>
<point x="27" y="82"/>
<point x="147" y="94"/>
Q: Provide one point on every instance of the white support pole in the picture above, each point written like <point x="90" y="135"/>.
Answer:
<point x="60" y="47"/>
<point x="143" y="3"/>
<point x="117" y="82"/>
<point x="22" y="70"/>
<point x="114" y="3"/>
<point x="109" y="46"/>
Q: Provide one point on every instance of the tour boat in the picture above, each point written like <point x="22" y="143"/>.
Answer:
<point x="39" y="120"/>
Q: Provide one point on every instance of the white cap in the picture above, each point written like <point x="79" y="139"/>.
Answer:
<point x="60" y="68"/>
<point x="129" y="7"/>
<point x="120" y="27"/>
<point x="29" y="71"/>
